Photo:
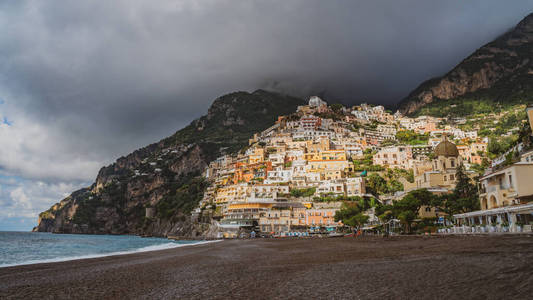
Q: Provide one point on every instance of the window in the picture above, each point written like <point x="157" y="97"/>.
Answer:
<point x="453" y="163"/>
<point x="510" y="180"/>
<point x="428" y="209"/>
<point x="452" y="177"/>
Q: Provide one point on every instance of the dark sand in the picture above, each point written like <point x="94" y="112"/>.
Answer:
<point x="471" y="267"/>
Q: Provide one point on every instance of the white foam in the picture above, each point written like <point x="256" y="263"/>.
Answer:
<point x="143" y="249"/>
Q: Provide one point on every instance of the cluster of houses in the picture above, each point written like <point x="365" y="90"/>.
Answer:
<point x="505" y="196"/>
<point x="285" y="180"/>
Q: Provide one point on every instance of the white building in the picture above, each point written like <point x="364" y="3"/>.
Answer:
<point x="394" y="157"/>
<point x="315" y="101"/>
<point x="278" y="176"/>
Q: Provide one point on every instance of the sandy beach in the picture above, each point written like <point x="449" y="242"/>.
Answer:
<point x="471" y="267"/>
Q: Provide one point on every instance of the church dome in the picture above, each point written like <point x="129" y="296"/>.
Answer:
<point x="446" y="149"/>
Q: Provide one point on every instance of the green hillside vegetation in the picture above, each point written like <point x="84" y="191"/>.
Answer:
<point x="234" y="118"/>
<point x="409" y="137"/>
<point x="366" y="163"/>
<point x="499" y="121"/>
<point x="469" y="106"/>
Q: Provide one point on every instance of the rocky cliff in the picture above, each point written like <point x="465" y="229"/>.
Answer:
<point x="153" y="190"/>
<point x="501" y="70"/>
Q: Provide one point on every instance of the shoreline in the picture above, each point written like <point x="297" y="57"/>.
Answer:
<point x="152" y="248"/>
<point x="367" y="268"/>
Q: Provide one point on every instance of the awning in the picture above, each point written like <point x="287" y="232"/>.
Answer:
<point x="525" y="208"/>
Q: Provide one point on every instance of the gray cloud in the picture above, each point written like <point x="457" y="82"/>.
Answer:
<point x="103" y="78"/>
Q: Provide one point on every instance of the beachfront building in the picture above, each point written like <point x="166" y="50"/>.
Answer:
<point x="505" y="199"/>
<point x="508" y="186"/>
<point x="282" y="218"/>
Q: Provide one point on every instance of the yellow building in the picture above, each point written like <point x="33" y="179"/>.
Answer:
<point x="318" y="146"/>
<point x="507" y="186"/>
<point x="323" y="165"/>
<point x="332" y="155"/>
<point x="505" y="198"/>
<point x="234" y="192"/>
<point x="257" y="155"/>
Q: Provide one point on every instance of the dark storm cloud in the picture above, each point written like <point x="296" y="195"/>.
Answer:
<point x="110" y="76"/>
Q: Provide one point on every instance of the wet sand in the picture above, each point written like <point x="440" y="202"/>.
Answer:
<point x="471" y="267"/>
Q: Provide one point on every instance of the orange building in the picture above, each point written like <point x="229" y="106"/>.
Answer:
<point x="321" y="217"/>
<point x="246" y="172"/>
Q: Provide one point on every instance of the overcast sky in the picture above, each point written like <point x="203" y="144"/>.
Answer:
<point x="84" y="82"/>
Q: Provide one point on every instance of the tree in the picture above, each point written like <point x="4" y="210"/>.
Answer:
<point x="466" y="192"/>
<point x="356" y="221"/>
<point x="307" y="192"/>
<point x="351" y="214"/>
<point x="394" y="186"/>
<point x="407" y="217"/>
<point x="386" y="143"/>
<point x="336" y="107"/>
<point x="464" y="197"/>
<point x="376" y="185"/>
<point x="406" y="210"/>
<point x="494" y="147"/>
<point x="411" y="138"/>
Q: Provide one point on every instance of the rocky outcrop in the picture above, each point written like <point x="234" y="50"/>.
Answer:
<point x="499" y="70"/>
<point x="165" y="177"/>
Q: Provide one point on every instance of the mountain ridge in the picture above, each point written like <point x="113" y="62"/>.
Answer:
<point x="165" y="175"/>
<point x="501" y="70"/>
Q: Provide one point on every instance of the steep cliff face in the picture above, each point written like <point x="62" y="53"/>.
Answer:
<point x="501" y="70"/>
<point x="163" y="178"/>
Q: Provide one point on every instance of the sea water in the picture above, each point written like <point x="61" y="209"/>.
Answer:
<point x="19" y="248"/>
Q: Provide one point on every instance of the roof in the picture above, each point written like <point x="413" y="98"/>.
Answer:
<point x="447" y="149"/>
<point x="502" y="171"/>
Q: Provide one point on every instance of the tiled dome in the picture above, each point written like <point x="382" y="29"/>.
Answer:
<point x="446" y="149"/>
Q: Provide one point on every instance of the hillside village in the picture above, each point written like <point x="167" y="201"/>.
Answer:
<point x="301" y="175"/>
